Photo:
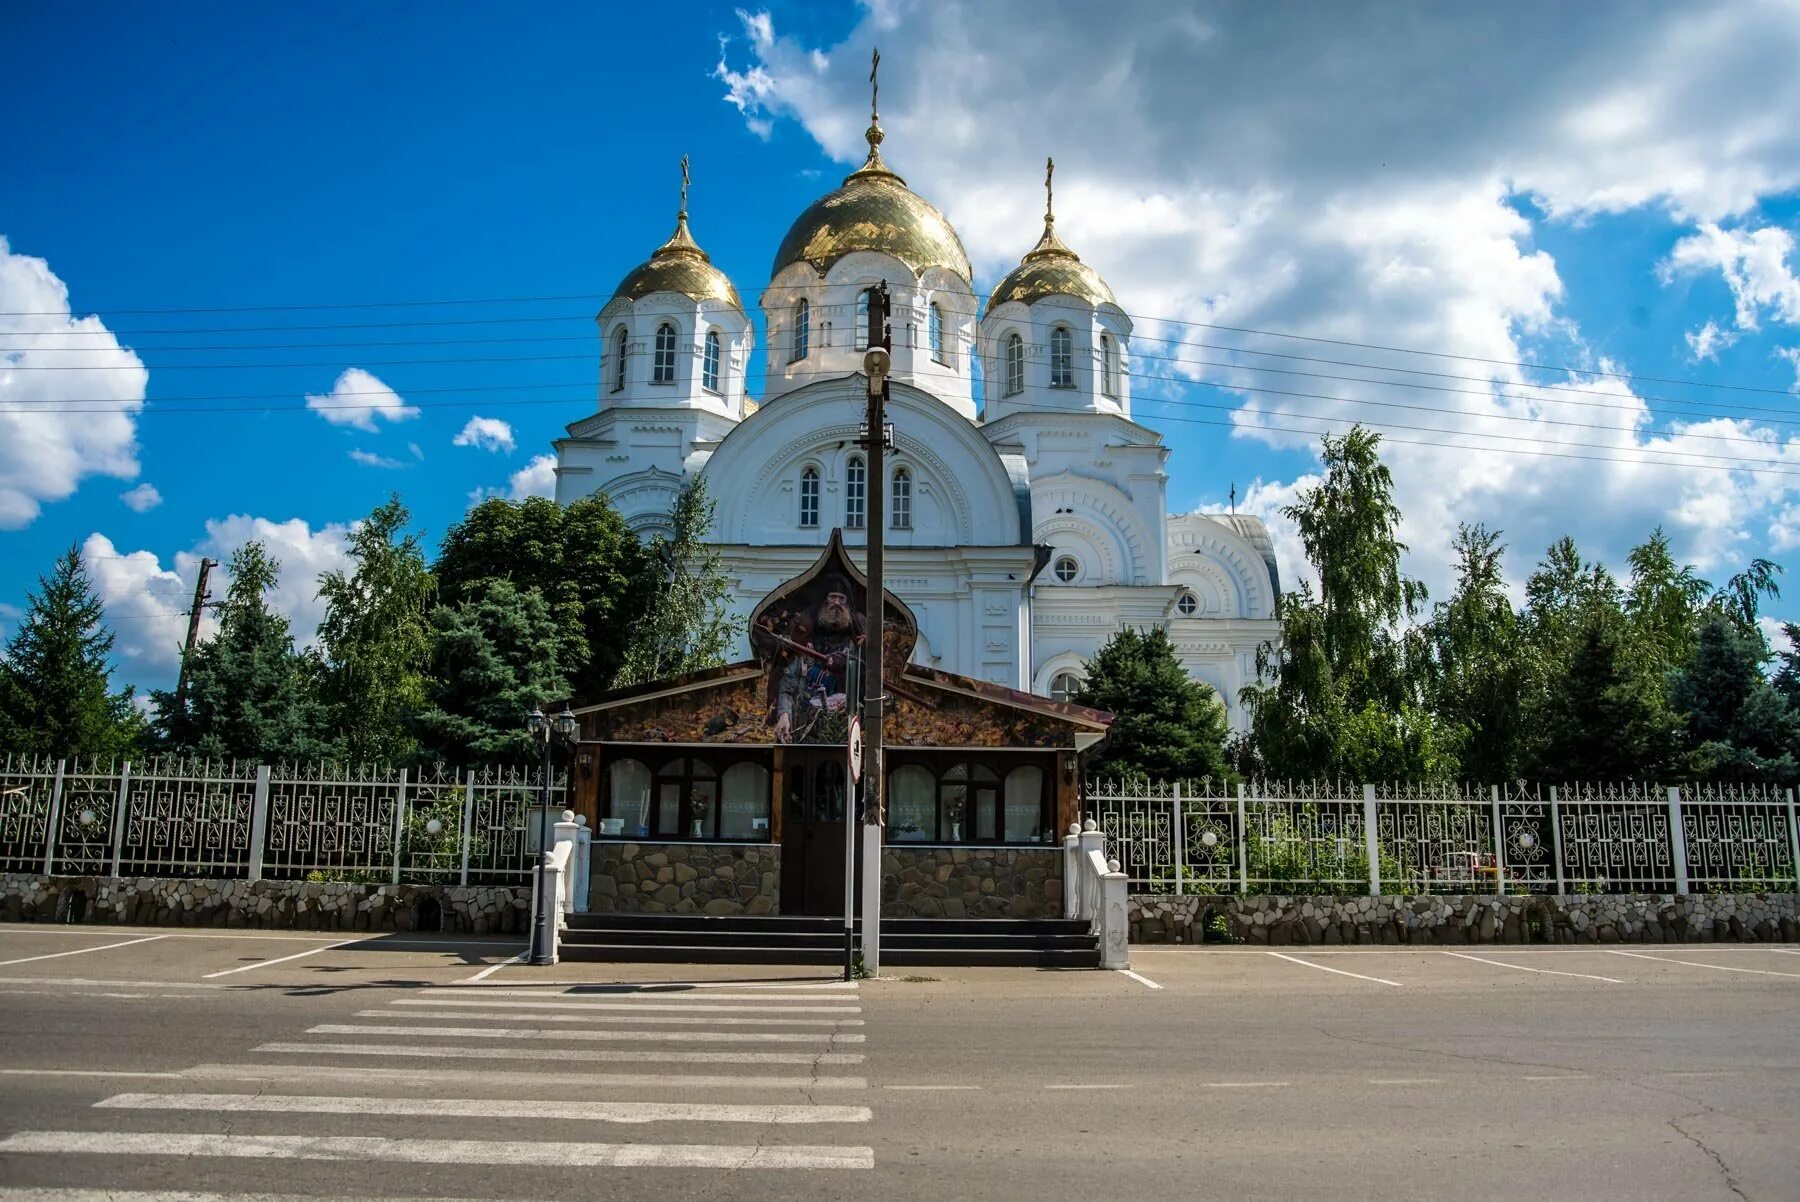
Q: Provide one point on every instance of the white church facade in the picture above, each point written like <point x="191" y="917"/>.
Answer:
<point x="1026" y="512"/>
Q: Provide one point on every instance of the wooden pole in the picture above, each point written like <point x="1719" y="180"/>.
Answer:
<point x="193" y="630"/>
<point x="880" y="334"/>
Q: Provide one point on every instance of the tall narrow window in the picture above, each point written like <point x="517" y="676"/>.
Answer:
<point x="1062" y="358"/>
<point x="902" y="501"/>
<point x="709" y="366"/>
<point x="860" y="339"/>
<point x="802" y="331"/>
<point x="1015" y="364"/>
<point x="856" y="492"/>
<point x="935" y="329"/>
<point x="664" y="370"/>
<point x="809" y="497"/>
<point x="618" y="364"/>
<point x="1109" y="366"/>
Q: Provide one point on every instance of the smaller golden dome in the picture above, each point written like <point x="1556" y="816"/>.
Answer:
<point x="1051" y="269"/>
<point x="679" y="265"/>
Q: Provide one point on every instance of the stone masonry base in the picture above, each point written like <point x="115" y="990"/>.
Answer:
<point x="1596" y="918"/>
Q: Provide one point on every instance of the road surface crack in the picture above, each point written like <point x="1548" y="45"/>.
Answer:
<point x="1724" y="1169"/>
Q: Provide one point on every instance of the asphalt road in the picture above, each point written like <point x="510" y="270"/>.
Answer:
<point x="192" y="1065"/>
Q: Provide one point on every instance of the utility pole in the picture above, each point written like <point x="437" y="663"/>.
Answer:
<point x="193" y="634"/>
<point x="877" y="362"/>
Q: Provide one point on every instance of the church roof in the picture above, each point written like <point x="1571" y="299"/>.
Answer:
<point x="679" y="265"/>
<point x="1051" y="269"/>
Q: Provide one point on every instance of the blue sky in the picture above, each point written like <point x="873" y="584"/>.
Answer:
<point x="1586" y="189"/>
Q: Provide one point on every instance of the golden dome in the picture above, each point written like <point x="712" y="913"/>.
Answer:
<point x="679" y="265"/>
<point x="1051" y="269"/>
<point x="874" y="210"/>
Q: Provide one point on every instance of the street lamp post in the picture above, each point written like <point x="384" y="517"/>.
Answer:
<point x="543" y="933"/>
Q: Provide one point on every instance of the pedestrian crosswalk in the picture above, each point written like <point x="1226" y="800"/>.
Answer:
<point x="738" y="1077"/>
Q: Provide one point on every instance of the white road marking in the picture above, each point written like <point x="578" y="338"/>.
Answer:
<point x="1561" y="1077"/>
<point x="40" y="1193"/>
<point x="505" y="1079"/>
<point x="1141" y="980"/>
<point x="618" y="1036"/>
<point x="439" y="1151"/>
<point x="489" y="1108"/>
<point x="1786" y="951"/>
<point x="491" y="969"/>
<point x="86" y="983"/>
<point x="638" y="1007"/>
<point x="1524" y="968"/>
<point x="667" y="1019"/>
<point x="82" y="1072"/>
<point x="933" y="1088"/>
<point x="1244" y="1084"/>
<point x="262" y="936"/>
<point x="623" y="993"/>
<point x="1405" y="1080"/>
<point x="1084" y="1087"/>
<point x="426" y="1051"/>
<point x="1761" y="972"/>
<point x="82" y="951"/>
<point x="538" y="987"/>
<point x="279" y="959"/>
<point x="1340" y="972"/>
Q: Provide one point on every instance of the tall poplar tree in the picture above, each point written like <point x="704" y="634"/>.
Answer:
<point x="1473" y="659"/>
<point x="685" y="625"/>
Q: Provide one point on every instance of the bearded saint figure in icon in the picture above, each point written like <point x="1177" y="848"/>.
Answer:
<point x="808" y="653"/>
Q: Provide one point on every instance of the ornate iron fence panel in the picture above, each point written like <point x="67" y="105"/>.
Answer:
<point x="1528" y="840"/>
<point x="505" y="822"/>
<point x="28" y="786"/>
<point x="1305" y="837"/>
<point x="1615" y="838"/>
<point x="1138" y="820"/>
<point x="431" y="831"/>
<point x="330" y="824"/>
<point x="84" y="824"/>
<point x="1435" y="838"/>
<point x="187" y="818"/>
<point x="1739" y="838"/>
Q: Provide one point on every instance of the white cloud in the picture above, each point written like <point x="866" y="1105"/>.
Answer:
<point x="1772" y="631"/>
<point x="1213" y="170"/>
<point x="141" y="499"/>
<point x="57" y="427"/>
<point x="1707" y="341"/>
<point x="535" y="479"/>
<point x="358" y="399"/>
<point x="146" y="602"/>
<point x="1754" y="264"/>
<point x="1792" y="355"/>
<point x="486" y="433"/>
<point x="370" y="459"/>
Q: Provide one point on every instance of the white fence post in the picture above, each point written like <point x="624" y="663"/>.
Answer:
<point x="1372" y="841"/>
<point x="1180" y="842"/>
<point x="1242" y="835"/>
<point x="1793" y="839"/>
<point x="56" y="791"/>
<point x="468" y="816"/>
<point x="1499" y="843"/>
<point x="118" y="823"/>
<point x="1115" y="929"/>
<point x="259" y="820"/>
<point x="399" y="826"/>
<point x="1556" y="841"/>
<point x="584" y="846"/>
<point x="1677" y="841"/>
<point x="1072" y="872"/>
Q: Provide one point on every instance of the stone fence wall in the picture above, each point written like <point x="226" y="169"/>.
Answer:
<point x="1578" y="918"/>
<point x="266" y="905"/>
<point x="684" y="878"/>
<point x="971" y="882"/>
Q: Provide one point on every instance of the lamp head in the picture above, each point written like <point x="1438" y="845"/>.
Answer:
<point x="566" y="725"/>
<point x="877" y="363"/>
<point x="535" y="722"/>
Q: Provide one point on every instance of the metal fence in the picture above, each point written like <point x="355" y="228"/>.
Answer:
<point x="188" y="818"/>
<point x="1333" y="837"/>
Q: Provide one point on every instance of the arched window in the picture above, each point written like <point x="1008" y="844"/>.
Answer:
<point x="1187" y="605"/>
<point x="1109" y="366"/>
<point x="860" y="339"/>
<point x="1064" y="685"/>
<point x="902" y="500"/>
<point x="1062" y="358"/>
<point x="809" y="497"/>
<point x="856" y="492"/>
<point x="664" y="369"/>
<point x="935" y="329"/>
<point x="802" y="331"/>
<point x="709" y="366"/>
<point x="687" y="800"/>
<point x="1015" y="364"/>
<point x="618" y="364"/>
<point x="1066" y="569"/>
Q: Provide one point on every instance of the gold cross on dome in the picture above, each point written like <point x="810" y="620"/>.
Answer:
<point x="875" y="83"/>
<point x="684" y="184"/>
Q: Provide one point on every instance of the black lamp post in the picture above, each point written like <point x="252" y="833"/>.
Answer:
<point x="543" y="933"/>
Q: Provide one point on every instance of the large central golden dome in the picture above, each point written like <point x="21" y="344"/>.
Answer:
<point x="874" y="210"/>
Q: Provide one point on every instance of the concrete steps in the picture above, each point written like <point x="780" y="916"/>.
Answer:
<point x="701" y="939"/>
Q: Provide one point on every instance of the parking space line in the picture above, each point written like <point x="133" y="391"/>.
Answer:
<point x="1406" y="1080"/>
<point x="1562" y="1077"/>
<point x="1141" y="980"/>
<point x="1340" y="972"/>
<point x="81" y="951"/>
<point x="1549" y="972"/>
<point x="279" y="959"/>
<point x="1761" y="972"/>
<point x="491" y="969"/>
<point x="1244" y="1084"/>
<point x="932" y="1088"/>
<point x="1084" y="1087"/>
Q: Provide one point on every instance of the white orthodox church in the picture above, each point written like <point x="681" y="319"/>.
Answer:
<point x="1026" y="512"/>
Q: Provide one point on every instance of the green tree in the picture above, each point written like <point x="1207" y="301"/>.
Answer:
<point x="1738" y="726"/>
<point x="685" y="625"/>
<point x="250" y="695"/>
<point x="56" y="695"/>
<point x="1166" y="725"/>
<point x="1602" y="715"/>
<point x="581" y="558"/>
<point x="1474" y="669"/>
<point x="375" y="638"/>
<point x="493" y="658"/>
<point x="1662" y="602"/>
<point x="1741" y="598"/>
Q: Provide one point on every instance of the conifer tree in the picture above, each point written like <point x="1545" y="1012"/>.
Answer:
<point x="685" y="625"/>
<point x="1473" y="662"/>
<point x="1738" y="726"/>
<point x="493" y="658"/>
<point x="1166" y="725"/>
<point x="55" y="688"/>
